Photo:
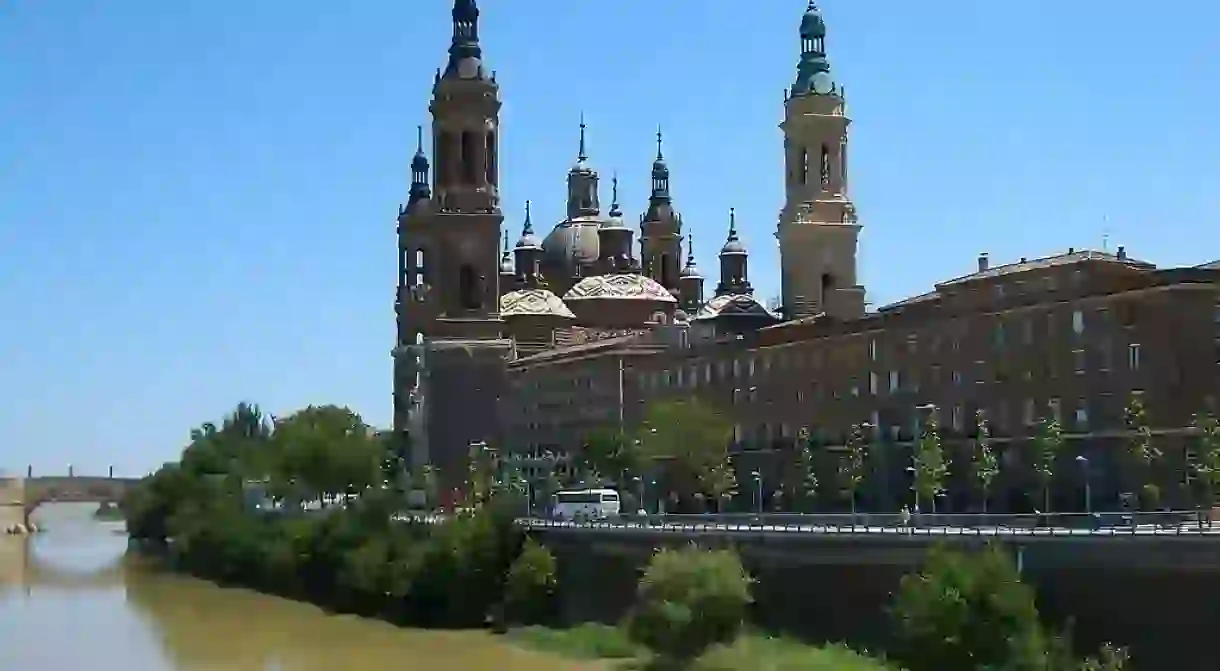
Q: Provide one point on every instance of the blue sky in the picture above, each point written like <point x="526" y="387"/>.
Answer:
<point x="197" y="197"/>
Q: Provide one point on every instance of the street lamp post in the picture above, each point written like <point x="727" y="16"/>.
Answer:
<point x="758" y="492"/>
<point x="914" y="487"/>
<point x="1088" y="484"/>
<point x="639" y="493"/>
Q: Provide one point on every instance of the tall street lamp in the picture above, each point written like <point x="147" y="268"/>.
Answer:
<point x="758" y="494"/>
<point x="1088" y="484"/>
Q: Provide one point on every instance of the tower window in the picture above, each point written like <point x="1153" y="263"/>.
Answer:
<point x="491" y="158"/>
<point x="804" y="166"/>
<point x="825" y="165"/>
<point x="470" y="152"/>
<point x="666" y="272"/>
<point x="828" y="281"/>
<point x="446" y="146"/>
<point x="468" y="288"/>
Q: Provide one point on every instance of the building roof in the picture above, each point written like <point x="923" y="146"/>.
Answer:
<point x="533" y="303"/>
<point x="624" y="340"/>
<point x="1026" y="265"/>
<point x="619" y="286"/>
<point x="1214" y="265"/>
<point x="734" y="305"/>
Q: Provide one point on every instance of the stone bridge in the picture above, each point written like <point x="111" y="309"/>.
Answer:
<point x="19" y="497"/>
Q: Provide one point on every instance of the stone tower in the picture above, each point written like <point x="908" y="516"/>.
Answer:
<point x="661" y="229"/>
<point x="449" y="362"/>
<point x="818" y="231"/>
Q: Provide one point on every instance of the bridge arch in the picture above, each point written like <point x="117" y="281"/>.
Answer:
<point x="20" y="497"/>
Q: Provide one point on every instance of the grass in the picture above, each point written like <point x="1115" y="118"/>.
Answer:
<point x="586" y="641"/>
<point x="752" y="652"/>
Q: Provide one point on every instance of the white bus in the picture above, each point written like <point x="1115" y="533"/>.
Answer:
<point x="585" y="504"/>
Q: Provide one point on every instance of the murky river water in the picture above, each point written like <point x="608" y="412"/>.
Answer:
<point x="69" y="600"/>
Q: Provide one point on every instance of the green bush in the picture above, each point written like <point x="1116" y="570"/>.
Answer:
<point x="689" y="600"/>
<point x="529" y="590"/>
<point x="968" y="611"/>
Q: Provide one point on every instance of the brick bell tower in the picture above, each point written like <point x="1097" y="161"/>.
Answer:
<point x="818" y="230"/>
<point x="451" y="355"/>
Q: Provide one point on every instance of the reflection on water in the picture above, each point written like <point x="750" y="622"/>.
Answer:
<point x="70" y="598"/>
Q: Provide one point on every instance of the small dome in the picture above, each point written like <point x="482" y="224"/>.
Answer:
<point x="571" y="245"/>
<point x="506" y="265"/>
<point x="812" y="24"/>
<point x="528" y="240"/>
<point x="625" y="286"/>
<point x="733" y="246"/>
<point x="420" y="162"/>
<point x="533" y="303"/>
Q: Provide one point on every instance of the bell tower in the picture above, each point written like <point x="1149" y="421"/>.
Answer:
<point x="661" y="229"/>
<point x="450" y="355"/>
<point x="818" y="231"/>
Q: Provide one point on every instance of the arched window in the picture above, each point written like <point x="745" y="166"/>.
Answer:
<point x="803" y="166"/>
<point x="468" y="288"/>
<point x="828" y="284"/>
<point x="470" y="154"/>
<point x="825" y="165"/>
<point x="446" y="154"/>
<point x="666" y="272"/>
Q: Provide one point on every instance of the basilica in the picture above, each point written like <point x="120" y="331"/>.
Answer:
<point x="469" y="310"/>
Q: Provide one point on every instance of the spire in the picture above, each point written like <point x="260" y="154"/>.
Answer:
<point x="581" y="155"/>
<point x="691" y="269"/>
<point x="527" y="255"/>
<point x="660" y="174"/>
<point x="813" y="70"/>
<point x="615" y="212"/>
<point x="690" y="282"/>
<point x="419" y="170"/>
<point x="733" y="244"/>
<point x="582" y="182"/>
<point x="506" y="259"/>
<point x="733" y="260"/>
<point x="465" y="54"/>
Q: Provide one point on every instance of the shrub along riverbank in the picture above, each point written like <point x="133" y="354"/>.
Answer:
<point x="960" y="614"/>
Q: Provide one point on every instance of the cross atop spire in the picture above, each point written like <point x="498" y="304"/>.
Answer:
<point x="660" y="157"/>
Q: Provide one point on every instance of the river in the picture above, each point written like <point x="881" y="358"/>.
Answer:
<point x="71" y="598"/>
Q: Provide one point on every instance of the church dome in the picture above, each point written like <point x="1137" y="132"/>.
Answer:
<point x="535" y="302"/>
<point x="624" y="286"/>
<point x="570" y="246"/>
<point x="734" y="305"/>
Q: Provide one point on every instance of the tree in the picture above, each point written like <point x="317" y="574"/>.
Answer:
<point x="689" y="600"/>
<point x="531" y="584"/>
<point x="798" y="477"/>
<point x="1047" y="444"/>
<point x="324" y="451"/>
<point x="967" y="611"/>
<point x="851" y="467"/>
<point x="1205" y="461"/>
<point x="609" y="454"/>
<point x="721" y="484"/>
<point x="1145" y="455"/>
<point x="694" y="440"/>
<point x="931" y="469"/>
<point x="985" y="464"/>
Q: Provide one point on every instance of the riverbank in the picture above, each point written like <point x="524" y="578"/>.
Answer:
<point x="749" y="652"/>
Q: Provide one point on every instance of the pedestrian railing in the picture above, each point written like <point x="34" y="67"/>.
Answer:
<point x="922" y="524"/>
